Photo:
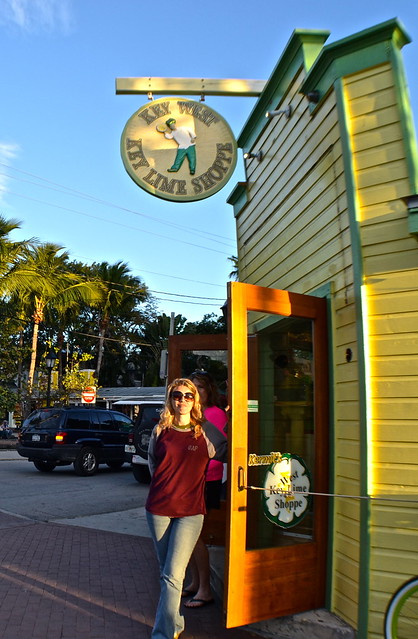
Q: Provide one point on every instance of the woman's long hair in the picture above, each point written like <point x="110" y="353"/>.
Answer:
<point x="206" y="379"/>
<point x="196" y="417"/>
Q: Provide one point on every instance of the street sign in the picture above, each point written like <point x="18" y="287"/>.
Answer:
<point x="88" y="395"/>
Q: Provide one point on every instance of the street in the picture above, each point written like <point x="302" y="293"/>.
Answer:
<point x="110" y="500"/>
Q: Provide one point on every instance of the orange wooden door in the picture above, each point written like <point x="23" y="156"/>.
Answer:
<point x="276" y="541"/>
<point x="186" y="353"/>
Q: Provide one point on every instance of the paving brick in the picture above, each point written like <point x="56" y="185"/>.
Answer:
<point x="65" y="582"/>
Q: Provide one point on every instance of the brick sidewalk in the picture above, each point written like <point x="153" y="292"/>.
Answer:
<point x="68" y="582"/>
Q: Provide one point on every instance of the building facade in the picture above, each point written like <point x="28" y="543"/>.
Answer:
<point x="329" y="209"/>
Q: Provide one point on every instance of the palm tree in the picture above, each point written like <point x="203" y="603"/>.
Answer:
<point x="43" y="280"/>
<point x="122" y="294"/>
<point x="155" y="334"/>
<point x="234" y="274"/>
<point x="10" y="252"/>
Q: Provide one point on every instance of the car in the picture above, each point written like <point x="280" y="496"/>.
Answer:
<point x="136" y="452"/>
<point x="84" y="437"/>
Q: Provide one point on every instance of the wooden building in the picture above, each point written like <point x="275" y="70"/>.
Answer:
<point x="324" y="331"/>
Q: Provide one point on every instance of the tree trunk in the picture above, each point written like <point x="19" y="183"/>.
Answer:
<point x="38" y="317"/>
<point x="33" y="355"/>
<point x="101" y="349"/>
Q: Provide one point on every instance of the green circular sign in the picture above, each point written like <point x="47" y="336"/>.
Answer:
<point x="286" y="497"/>
<point x="178" y="150"/>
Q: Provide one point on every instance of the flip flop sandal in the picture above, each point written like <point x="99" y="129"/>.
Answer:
<point x="188" y="593"/>
<point x="199" y="603"/>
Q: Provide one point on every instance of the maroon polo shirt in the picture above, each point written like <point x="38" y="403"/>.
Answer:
<point x="178" y="483"/>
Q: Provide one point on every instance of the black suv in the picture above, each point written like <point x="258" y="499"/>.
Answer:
<point x="137" y="449"/>
<point x="85" y="437"/>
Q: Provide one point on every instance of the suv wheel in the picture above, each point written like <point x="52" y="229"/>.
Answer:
<point x="87" y="462"/>
<point x="44" y="466"/>
<point x="141" y="473"/>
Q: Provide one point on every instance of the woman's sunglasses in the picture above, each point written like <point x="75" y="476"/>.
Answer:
<point x="189" y="397"/>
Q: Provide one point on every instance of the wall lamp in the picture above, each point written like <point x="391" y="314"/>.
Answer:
<point x="287" y="111"/>
<point x="313" y="96"/>
<point x="248" y="155"/>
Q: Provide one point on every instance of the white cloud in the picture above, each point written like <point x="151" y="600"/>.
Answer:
<point x="37" y="15"/>
<point x="7" y="152"/>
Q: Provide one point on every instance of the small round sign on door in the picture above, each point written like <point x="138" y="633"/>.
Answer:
<point x="88" y="395"/>
<point x="287" y="485"/>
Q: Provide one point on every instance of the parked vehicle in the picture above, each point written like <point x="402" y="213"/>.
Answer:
<point x="136" y="452"/>
<point x="85" y="437"/>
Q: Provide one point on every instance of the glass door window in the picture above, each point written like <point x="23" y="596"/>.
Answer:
<point x="282" y="391"/>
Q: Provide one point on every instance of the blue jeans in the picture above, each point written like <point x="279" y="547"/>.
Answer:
<point x="174" y="539"/>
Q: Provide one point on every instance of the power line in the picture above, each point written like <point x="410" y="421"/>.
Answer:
<point x="96" y="217"/>
<point x="110" y="339"/>
<point x="139" y="289"/>
<point x="161" y="299"/>
<point x="92" y="198"/>
<point x="174" y="277"/>
<point x="196" y="297"/>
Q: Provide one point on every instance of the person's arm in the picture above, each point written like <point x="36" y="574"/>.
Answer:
<point x="216" y="442"/>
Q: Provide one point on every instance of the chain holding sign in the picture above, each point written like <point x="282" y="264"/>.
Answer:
<point x="178" y="149"/>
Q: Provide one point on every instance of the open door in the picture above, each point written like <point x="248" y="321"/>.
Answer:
<point x="276" y="530"/>
<point x="186" y="353"/>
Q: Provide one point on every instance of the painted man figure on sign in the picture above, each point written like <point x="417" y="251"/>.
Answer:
<point x="185" y="139"/>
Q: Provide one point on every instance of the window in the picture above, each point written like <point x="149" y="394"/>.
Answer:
<point x="78" y="419"/>
<point x="105" y="421"/>
<point x="122" y="423"/>
<point x="43" y="419"/>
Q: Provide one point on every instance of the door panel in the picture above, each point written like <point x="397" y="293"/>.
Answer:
<point x="278" y="394"/>
<point x="186" y="353"/>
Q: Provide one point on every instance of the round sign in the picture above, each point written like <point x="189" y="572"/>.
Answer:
<point x="178" y="149"/>
<point x="286" y="496"/>
<point x="88" y="395"/>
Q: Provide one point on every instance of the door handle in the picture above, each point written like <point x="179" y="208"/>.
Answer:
<point x="241" y="478"/>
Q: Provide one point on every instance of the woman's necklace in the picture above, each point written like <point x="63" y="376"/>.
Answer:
<point x="182" y="426"/>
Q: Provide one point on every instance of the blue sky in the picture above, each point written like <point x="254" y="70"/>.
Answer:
<point x="60" y="168"/>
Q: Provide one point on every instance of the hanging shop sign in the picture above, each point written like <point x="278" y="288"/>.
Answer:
<point x="287" y="485"/>
<point x="178" y="150"/>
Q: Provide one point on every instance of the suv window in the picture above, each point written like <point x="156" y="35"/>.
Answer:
<point x="122" y="422"/>
<point x="43" y="419"/>
<point x="105" y="419"/>
<point x="78" y="419"/>
<point x="148" y="416"/>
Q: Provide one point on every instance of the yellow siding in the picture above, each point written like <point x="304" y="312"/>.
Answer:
<point x="390" y="263"/>
<point x="294" y="234"/>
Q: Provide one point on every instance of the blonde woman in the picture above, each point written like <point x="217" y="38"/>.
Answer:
<point x="179" y="451"/>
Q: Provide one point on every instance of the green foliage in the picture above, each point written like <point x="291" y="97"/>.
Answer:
<point x="208" y="325"/>
<point x="7" y="400"/>
<point x="12" y="352"/>
<point x="234" y="274"/>
<point x="100" y="313"/>
<point x="74" y="380"/>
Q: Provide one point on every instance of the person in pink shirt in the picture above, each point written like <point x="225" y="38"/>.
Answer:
<point x="199" y="587"/>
